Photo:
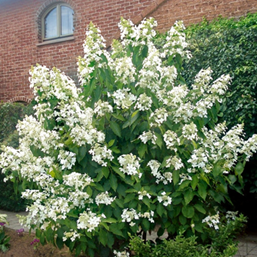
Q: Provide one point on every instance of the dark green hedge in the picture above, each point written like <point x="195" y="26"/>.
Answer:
<point x="228" y="46"/>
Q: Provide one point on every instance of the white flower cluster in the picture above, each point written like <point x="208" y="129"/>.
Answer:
<point x="129" y="164"/>
<point x="231" y="215"/>
<point x="124" y="70"/>
<point x="100" y="154"/>
<point x="250" y="147"/>
<point x="104" y="198"/>
<point x="128" y="215"/>
<point x="123" y="99"/>
<point x="77" y="180"/>
<point x="121" y="254"/>
<point x="93" y="51"/>
<point x="34" y="195"/>
<point x="79" y="199"/>
<point x="221" y="145"/>
<point x="34" y="134"/>
<point x="144" y="102"/>
<point x="158" y="117"/>
<point x="150" y="74"/>
<point x="176" y="41"/>
<point x="86" y="135"/>
<point x="148" y="215"/>
<point x="164" y="199"/>
<point x="165" y="177"/>
<point x="52" y="83"/>
<point x="174" y="97"/>
<point x="212" y="221"/>
<point x="72" y="235"/>
<point x="137" y="35"/>
<point x="101" y="108"/>
<point x="67" y="159"/>
<point x="184" y="177"/>
<point x="171" y="139"/>
<point x="143" y="193"/>
<point x="89" y="220"/>
<point x="174" y="161"/>
<point x="146" y="136"/>
<point x="189" y="131"/>
<point x="154" y="166"/>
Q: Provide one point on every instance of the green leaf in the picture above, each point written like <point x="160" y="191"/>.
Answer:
<point x="119" y="202"/>
<point x="175" y="176"/>
<point x="159" y="141"/>
<point x="217" y="169"/>
<point x="182" y="220"/>
<point x="121" y="190"/>
<point x="132" y="119"/>
<point x="113" y="182"/>
<point x="118" y="117"/>
<point x="239" y="168"/>
<point x="184" y="184"/>
<point x="232" y="179"/>
<point x="145" y="225"/>
<point x="146" y="201"/>
<point x="160" y="209"/>
<point x="129" y="197"/>
<point x="115" y="230"/>
<point x="115" y="128"/>
<point x="110" y="220"/>
<point x="188" y="196"/>
<point x="200" y="208"/>
<point x="110" y="241"/>
<point x="59" y="242"/>
<point x="194" y="181"/>
<point x="202" y="189"/>
<point x="49" y="235"/>
<point x="106" y="172"/>
<point x="188" y="211"/>
<point x="199" y="227"/>
<point x="36" y="152"/>
<point x="103" y="238"/>
<point x="82" y="151"/>
<point x="142" y="149"/>
<point x="42" y="238"/>
<point x="117" y="170"/>
<point x="111" y="142"/>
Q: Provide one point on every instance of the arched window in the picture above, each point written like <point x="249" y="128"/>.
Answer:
<point x="57" y="22"/>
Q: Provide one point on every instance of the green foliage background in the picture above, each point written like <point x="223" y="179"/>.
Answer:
<point x="228" y="46"/>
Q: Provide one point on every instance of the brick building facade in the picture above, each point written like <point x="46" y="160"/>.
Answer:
<point x="22" y="44"/>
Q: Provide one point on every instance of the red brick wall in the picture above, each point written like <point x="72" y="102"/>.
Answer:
<point x="192" y="11"/>
<point x="20" y="31"/>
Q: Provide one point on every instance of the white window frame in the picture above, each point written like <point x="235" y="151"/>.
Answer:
<point x="59" y="18"/>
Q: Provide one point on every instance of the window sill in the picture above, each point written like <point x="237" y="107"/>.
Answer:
<point x="54" y="41"/>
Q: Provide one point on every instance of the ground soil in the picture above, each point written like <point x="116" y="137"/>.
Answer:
<point x="20" y="246"/>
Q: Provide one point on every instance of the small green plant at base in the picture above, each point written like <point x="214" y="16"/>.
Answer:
<point x="222" y="242"/>
<point x="4" y="239"/>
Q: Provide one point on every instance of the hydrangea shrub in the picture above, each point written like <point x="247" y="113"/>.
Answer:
<point x="130" y="149"/>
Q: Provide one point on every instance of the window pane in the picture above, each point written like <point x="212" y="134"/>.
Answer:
<point x="67" y="20"/>
<point x="51" y="24"/>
